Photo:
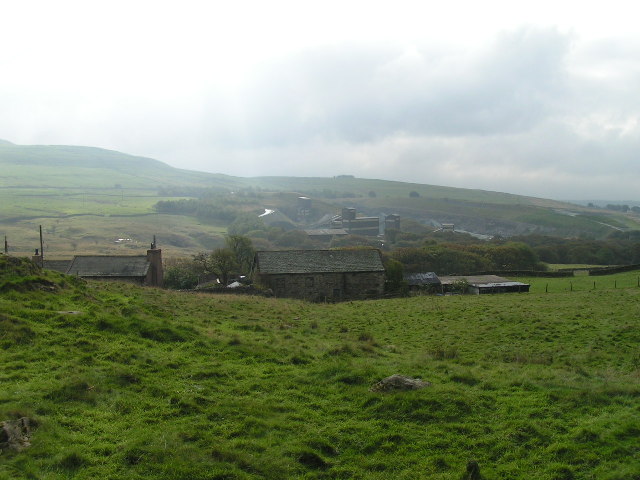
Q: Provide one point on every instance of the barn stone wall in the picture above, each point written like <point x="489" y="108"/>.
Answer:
<point x="325" y="286"/>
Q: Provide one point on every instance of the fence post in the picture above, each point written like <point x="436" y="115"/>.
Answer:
<point x="594" y="284"/>
<point x="571" y="286"/>
<point x="546" y="288"/>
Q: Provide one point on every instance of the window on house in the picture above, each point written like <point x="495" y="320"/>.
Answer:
<point x="308" y="282"/>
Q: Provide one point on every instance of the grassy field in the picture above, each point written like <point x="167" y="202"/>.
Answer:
<point x="84" y="221"/>
<point x="583" y="283"/>
<point x="18" y="203"/>
<point x="178" y="236"/>
<point x="127" y="382"/>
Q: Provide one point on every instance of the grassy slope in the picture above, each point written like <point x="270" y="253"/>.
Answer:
<point x="40" y="182"/>
<point x="142" y="383"/>
<point x="67" y="167"/>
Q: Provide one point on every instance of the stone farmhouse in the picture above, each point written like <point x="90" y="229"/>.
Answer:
<point x="320" y="275"/>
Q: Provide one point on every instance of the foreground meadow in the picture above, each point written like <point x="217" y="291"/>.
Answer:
<point x="126" y="382"/>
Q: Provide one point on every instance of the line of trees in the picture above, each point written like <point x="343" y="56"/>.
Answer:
<point x="620" y="248"/>
<point x="209" y="210"/>
<point x="464" y="259"/>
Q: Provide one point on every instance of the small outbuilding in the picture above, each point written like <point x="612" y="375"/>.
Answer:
<point x="482" y="284"/>
<point x="320" y="275"/>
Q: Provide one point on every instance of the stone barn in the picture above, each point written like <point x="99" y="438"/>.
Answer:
<point x="320" y="275"/>
<point x="141" y="269"/>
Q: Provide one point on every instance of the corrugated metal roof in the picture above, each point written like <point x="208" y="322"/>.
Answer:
<point x="319" y="261"/>
<point x="326" y="231"/>
<point x="109" y="266"/>
<point x="481" y="281"/>
<point x="426" y="278"/>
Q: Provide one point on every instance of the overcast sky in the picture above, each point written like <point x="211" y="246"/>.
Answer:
<point x="537" y="98"/>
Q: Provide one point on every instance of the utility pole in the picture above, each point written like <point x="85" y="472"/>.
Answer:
<point x="41" y="249"/>
<point x="6" y="246"/>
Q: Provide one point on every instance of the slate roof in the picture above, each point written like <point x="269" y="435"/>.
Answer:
<point x="319" y="261"/>
<point x="109" y="266"/>
<point x="426" y="278"/>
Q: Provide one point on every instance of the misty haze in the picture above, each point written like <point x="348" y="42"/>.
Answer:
<point x="267" y="240"/>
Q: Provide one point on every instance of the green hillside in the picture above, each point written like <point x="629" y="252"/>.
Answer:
<point x="87" y="197"/>
<point x="127" y="382"/>
<point x="61" y="166"/>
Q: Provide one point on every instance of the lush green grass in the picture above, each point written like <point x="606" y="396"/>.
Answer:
<point x="126" y="382"/>
<point x="584" y="283"/>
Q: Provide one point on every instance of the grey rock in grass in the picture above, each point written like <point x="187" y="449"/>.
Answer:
<point x="15" y="434"/>
<point x="473" y="471"/>
<point x="399" y="383"/>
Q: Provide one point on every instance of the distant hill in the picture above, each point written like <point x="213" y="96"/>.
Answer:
<point x="106" y="178"/>
<point x="73" y="156"/>
<point x="66" y="166"/>
<point x="62" y="166"/>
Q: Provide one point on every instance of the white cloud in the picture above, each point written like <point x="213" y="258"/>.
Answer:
<point x="537" y="98"/>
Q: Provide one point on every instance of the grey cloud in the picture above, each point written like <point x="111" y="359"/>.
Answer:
<point x="366" y="93"/>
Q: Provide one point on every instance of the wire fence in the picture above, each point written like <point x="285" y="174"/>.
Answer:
<point x="582" y="283"/>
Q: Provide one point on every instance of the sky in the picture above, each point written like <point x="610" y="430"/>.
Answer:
<point x="535" y="98"/>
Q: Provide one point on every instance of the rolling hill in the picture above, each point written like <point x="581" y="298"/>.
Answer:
<point x="94" y="196"/>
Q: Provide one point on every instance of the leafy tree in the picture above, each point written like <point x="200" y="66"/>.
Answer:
<point x="182" y="274"/>
<point x="245" y="222"/>
<point x="354" y="241"/>
<point x="510" y="256"/>
<point x="460" y="286"/>
<point x="395" y="276"/>
<point x="243" y="251"/>
<point x="222" y="262"/>
<point x="293" y="239"/>
<point x="180" y="278"/>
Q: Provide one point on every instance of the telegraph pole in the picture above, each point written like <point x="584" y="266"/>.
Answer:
<point x="41" y="249"/>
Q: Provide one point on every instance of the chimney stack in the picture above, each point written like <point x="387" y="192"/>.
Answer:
<point x="37" y="258"/>
<point x="155" y="276"/>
